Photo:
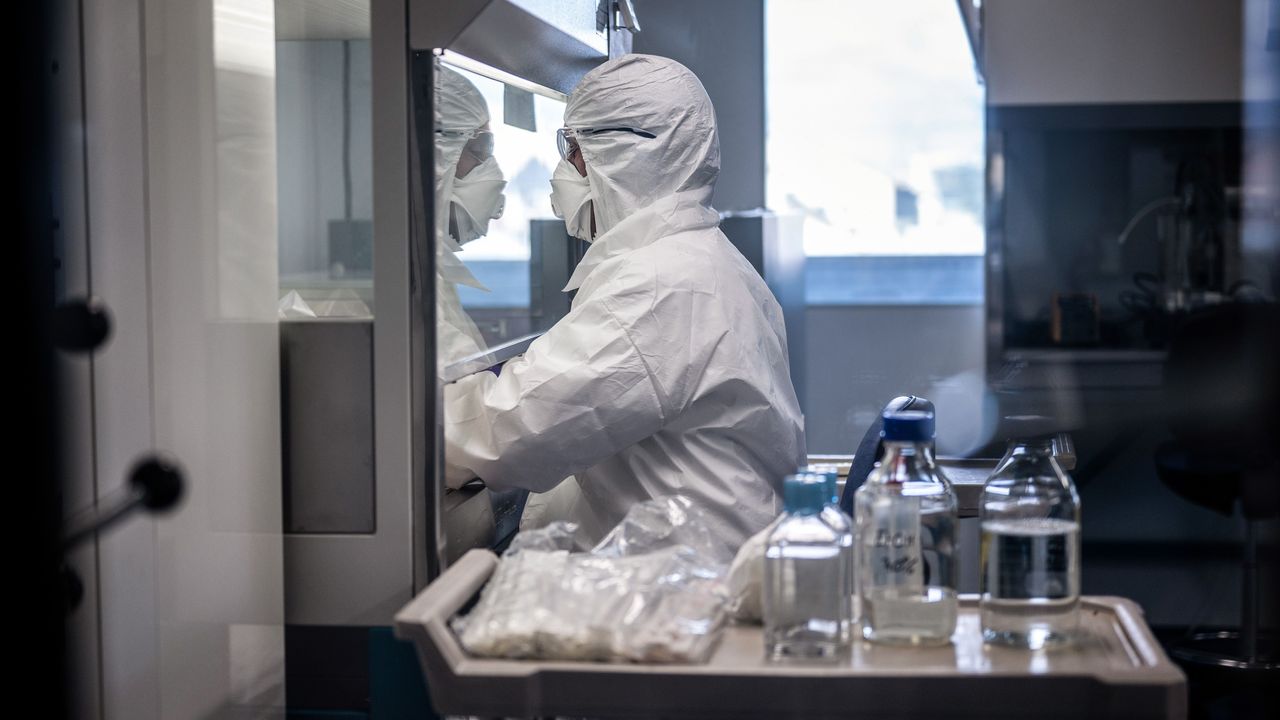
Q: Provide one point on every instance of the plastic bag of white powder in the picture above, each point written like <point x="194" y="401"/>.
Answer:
<point x="652" y="591"/>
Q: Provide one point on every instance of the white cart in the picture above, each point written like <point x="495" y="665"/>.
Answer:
<point x="1117" y="670"/>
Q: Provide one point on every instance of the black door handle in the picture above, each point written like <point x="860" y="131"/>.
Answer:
<point x="81" y="325"/>
<point x="155" y="483"/>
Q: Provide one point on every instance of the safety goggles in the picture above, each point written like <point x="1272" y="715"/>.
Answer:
<point x="567" y="138"/>
<point x="479" y="142"/>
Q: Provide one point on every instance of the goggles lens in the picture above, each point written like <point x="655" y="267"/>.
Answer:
<point x="480" y="146"/>
<point x="566" y="142"/>
<point x="567" y="138"/>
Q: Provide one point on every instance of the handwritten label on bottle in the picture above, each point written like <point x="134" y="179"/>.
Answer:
<point x="894" y="542"/>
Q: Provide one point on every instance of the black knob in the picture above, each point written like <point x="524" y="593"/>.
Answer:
<point x="159" y="481"/>
<point x="81" y="325"/>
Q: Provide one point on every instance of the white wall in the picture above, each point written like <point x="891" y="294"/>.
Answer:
<point x="180" y="139"/>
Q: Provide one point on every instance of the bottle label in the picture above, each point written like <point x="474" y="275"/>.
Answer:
<point x="894" y="543"/>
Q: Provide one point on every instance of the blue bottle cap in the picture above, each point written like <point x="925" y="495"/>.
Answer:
<point x="831" y="472"/>
<point x="805" y="493"/>
<point x="908" y="426"/>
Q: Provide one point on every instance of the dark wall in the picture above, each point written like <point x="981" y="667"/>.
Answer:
<point x="722" y="41"/>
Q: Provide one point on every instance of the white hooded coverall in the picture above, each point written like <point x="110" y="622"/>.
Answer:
<point x="669" y="375"/>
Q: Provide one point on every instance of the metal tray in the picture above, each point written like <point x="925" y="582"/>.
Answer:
<point x="1117" y="670"/>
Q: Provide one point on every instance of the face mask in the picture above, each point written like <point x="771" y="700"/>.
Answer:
<point x="476" y="199"/>
<point x="571" y="200"/>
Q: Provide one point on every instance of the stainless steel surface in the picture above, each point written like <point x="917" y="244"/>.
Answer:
<point x="1116" y="669"/>
<point x="551" y="43"/>
<point x="326" y="376"/>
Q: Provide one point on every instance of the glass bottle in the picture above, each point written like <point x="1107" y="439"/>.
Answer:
<point x="905" y="515"/>
<point x="806" y="602"/>
<point x="837" y="518"/>
<point x="1030" y="517"/>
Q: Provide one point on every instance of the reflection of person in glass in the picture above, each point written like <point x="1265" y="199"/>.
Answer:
<point x="469" y="188"/>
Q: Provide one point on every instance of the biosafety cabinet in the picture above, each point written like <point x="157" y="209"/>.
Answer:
<point x="416" y="141"/>
<point x="406" y="263"/>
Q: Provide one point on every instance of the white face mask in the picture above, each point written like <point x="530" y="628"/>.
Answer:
<point x="476" y="199"/>
<point x="571" y="200"/>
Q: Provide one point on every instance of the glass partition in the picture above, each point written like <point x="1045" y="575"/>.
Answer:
<point x="502" y="256"/>
<point x="325" y="177"/>
<point x="325" y="302"/>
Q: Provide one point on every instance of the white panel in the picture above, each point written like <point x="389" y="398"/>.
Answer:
<point x="181" y="188"/>
<point x="84" y="694"/>
<point x="114" y="138"/>
<point x="1111" y="51"/>
<point x="211" y="153"/>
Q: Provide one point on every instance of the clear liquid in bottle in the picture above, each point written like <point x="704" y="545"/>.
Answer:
<point x="1031" y="582"/>
<point x="905" y="518"/>
<point x="806" y="597"/>
<point x="1030" y="520"/>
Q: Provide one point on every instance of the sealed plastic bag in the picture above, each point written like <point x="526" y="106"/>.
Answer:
<point x="651" y="591"/>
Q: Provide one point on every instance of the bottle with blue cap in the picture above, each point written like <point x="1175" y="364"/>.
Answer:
<point x="806" y="576"/>
<point x="905" y="519"/>
<point x="839" y="519"/>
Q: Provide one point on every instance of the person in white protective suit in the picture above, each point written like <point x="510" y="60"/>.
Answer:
<point x="669" y="375"/>
<point x="469" y="187"/>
